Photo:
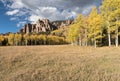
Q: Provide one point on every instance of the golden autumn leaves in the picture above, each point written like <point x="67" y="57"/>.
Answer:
<point x="97" y="27"/>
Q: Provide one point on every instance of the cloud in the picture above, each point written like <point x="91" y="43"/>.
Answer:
<point x="33" y="18"/>
<point x="16" y="4"/>
<point x="21" y="23"/>
<point x="13" y="18"/>
<point x="54" y="13"/>
<point x="31" y="10"/>
<point x="12" y="12"/>
<point x="87" y="10"/>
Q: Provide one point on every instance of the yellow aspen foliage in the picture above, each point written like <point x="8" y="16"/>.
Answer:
<point x="1" y="39"/>
<point x="11" y="39"/>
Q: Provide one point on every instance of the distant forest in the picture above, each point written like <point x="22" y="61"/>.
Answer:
<point x="31" y="39"/>
<point x="97" y="29"/>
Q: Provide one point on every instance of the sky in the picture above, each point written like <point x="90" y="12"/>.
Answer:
<point x="15" y="13"/>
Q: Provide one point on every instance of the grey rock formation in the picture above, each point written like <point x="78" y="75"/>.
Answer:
<point x="64" y="23"/>
<point x="44" y="26"/>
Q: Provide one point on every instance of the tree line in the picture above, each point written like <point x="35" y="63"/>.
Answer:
<point x="30" y="39"/>
<point x="98" y="28"/>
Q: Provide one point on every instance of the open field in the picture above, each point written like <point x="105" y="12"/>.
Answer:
<point x="59" y="63"/>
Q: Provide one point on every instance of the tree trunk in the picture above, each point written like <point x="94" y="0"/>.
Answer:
<point x="95" y="41"/>
<point x="116" y="40"/>
<point x="35" y="42"/>
<point x="44" y="42"/>
<point x="109" y="39"/>
<point x="86" y="42"/>
<point x="95" y="45"/>
<point x="72" y="43"/>
<point x="26" y="42"/>
<point x="13" y="42"/>
<point x="0" y="43"/>
<point x="80" y="41"/>
<point x="16" y="44"/>
<point x="109" y="36"/>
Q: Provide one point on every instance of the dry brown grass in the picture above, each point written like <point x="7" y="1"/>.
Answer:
<point x="59" y="63"/>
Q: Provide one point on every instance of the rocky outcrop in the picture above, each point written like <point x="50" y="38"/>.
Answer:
<point x="44" y="26"/>
<point x="64" y="23"/>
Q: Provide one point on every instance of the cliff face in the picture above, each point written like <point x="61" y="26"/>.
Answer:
<point x="44" y="26"/>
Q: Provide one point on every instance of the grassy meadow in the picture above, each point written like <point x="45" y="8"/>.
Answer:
<point x="59" y="63"/>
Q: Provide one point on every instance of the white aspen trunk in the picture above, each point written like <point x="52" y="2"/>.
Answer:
<point x="26" y="42"/>
<point x="116" y="40"/>
<point x="109" y="39"/>
<point x="109" y="35"/>
<point x="86" y="37"/>
<point x="79" y="41"/>
<point x="72" y="43"/>
<point x="95" y="43"/>
<point x="0" y="43"/>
